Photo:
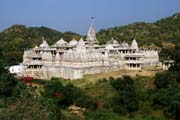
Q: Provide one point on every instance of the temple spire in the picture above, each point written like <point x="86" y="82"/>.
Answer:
<point x="92" y="21"/>
<point x="42" y="38"/>
<point x="134" y="44"/>
<point x="91" y="35"/>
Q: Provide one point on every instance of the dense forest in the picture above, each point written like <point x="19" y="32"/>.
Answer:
<point x="163" y="33"/>
<point x="123" y="98"/>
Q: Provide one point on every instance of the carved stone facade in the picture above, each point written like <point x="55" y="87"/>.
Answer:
<point x="75" y="59"/>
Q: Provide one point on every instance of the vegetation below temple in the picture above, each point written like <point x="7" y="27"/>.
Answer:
<point x="137" y="98"/>
<point x="15" y="39"/>
<point x="134" y="98"/>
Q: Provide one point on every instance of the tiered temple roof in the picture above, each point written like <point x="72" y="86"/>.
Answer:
<point x="73" y="42"/>
<point x="44" y="44"/>
<point x="134" y="45"/>
<point x="60" y="43"/>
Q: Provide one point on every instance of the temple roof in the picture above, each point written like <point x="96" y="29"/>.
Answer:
<point x="109" y="46"/>
<point x="82" y="55"/>
<point x="73" y="42"/>
<point x="91" y="35"/>
<point x="113" y="41"/>
<point x="60" y="43"/>
<point x="44" y="44"/>
<point x="124" y="44"/>
<point x="81" y="42"/>
<point x="134" y="44"/>
<point x="36" y="47"/>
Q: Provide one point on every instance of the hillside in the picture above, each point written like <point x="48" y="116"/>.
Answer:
<point x="164" y="30"/>
<point x="15" y="39"/>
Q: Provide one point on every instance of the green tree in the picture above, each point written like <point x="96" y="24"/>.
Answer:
<point x="19" y="101"/>
<point x="164" y="80"/>
<point x="167" y="92"/>
<point x="126" y="100"/>
<point x="30" y="108"/>
<point x="64" y="96"/>
<point x="7" y="83"/>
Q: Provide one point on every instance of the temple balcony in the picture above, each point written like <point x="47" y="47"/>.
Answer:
<point x="133" y="61"/>
<point x="135" y="55"/>
<point x="33" y="63"/>
<point x="36" y="55"/>
<point x="133" y="66"/>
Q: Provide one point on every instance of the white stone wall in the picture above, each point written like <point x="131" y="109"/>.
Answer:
<point x="151" y="58"/>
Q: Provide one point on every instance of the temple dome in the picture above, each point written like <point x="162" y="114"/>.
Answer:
<point x="113" y="42"/>
<point x="125" y="44"/>
<point x="44" y="44"/>
<point x="35" y="47"/>
<point x="81" y="43"/>
<point x="60" y="43"/>
<point x="73" y="42"/>
<point x="109" y="46"/>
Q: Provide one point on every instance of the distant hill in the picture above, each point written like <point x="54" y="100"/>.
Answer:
<point x="164" y="30"/>
<point x="15" y="39"/>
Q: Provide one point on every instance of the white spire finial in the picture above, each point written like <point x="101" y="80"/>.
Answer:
<point x="92" y="21"/>
<point x="81" y="39"/>
<point x="42" y="38"/>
